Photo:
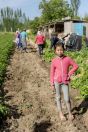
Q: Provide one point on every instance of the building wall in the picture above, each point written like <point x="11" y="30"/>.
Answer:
<point x="86" y="25"/>
<point x="50" y="31"/>
<point x="68" y="27"/>
<point x="79" y="28"/>
<point x="46" y="31"/>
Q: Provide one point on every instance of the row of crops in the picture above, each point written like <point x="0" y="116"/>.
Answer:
<point x="80" y="81"/>
<point x="6" y="48"/>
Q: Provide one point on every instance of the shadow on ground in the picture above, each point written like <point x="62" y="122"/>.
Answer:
<point x="13" y="112"/>
<point x="42" y="126"/>
<point x="82" y="108"/>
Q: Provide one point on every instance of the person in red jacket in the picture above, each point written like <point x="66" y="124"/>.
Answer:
<point x="60" y="78"/>
<point x="40" y="41"/>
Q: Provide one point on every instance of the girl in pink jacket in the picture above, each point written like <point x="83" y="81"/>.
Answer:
<point x="60" y="77"/>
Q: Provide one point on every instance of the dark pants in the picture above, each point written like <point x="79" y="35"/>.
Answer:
<point x="52" y="46"/>
<point x="40" y="48"/>
<point x="19" y="45"/>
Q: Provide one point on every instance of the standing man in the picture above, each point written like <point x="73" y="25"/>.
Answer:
<point x="24" y="40"/>
<point x="54" y="39"/>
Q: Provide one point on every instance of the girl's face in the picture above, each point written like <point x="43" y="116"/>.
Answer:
<point x="59" y="51"/>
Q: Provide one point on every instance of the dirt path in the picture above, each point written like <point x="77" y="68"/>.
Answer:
<point x="30" y="99"/>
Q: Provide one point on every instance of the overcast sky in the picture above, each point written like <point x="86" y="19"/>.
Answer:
<point x="30" y="7"/>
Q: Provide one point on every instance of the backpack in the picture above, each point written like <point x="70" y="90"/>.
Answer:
<point x="74" y="42"/>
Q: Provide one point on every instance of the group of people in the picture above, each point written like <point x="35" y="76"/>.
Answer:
<point x="60" y="75"/>
<point x="55" y="38"/>
<point x="22" y="37"/>
<point x="40" y="40"/>
<point x="21" y="40"/>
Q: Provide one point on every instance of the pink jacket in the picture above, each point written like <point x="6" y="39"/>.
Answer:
<point x="40" y="39"/>
<point x="60" y="70"/>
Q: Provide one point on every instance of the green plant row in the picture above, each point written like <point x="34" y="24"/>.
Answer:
<point x="6" y="48"/>
<point x="4" y="111"/>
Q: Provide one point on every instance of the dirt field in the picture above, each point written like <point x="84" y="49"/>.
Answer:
<point x="31" y="101"/>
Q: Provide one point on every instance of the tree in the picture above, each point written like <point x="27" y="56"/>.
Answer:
<point x="11" y="20"/>
<point x="85" y="17"/>
<point x="75" y="4"/>
<point x="34" y="24"/>
<point x="54" y="9"/>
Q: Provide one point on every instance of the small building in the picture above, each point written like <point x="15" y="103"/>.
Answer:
<point x="76" y="26"/>
<point x="66" y="26"/>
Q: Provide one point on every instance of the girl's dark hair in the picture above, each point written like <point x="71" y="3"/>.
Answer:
<point x="58" y="44"/>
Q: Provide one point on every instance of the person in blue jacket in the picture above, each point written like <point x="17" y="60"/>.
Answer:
<point x="23" y="36"/>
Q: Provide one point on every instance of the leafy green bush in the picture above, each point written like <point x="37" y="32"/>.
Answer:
<point x="81" y="79"/>
<point x="6" y="47"/>
<point x="4" y="111"/>
<point x="48" y="54"/>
